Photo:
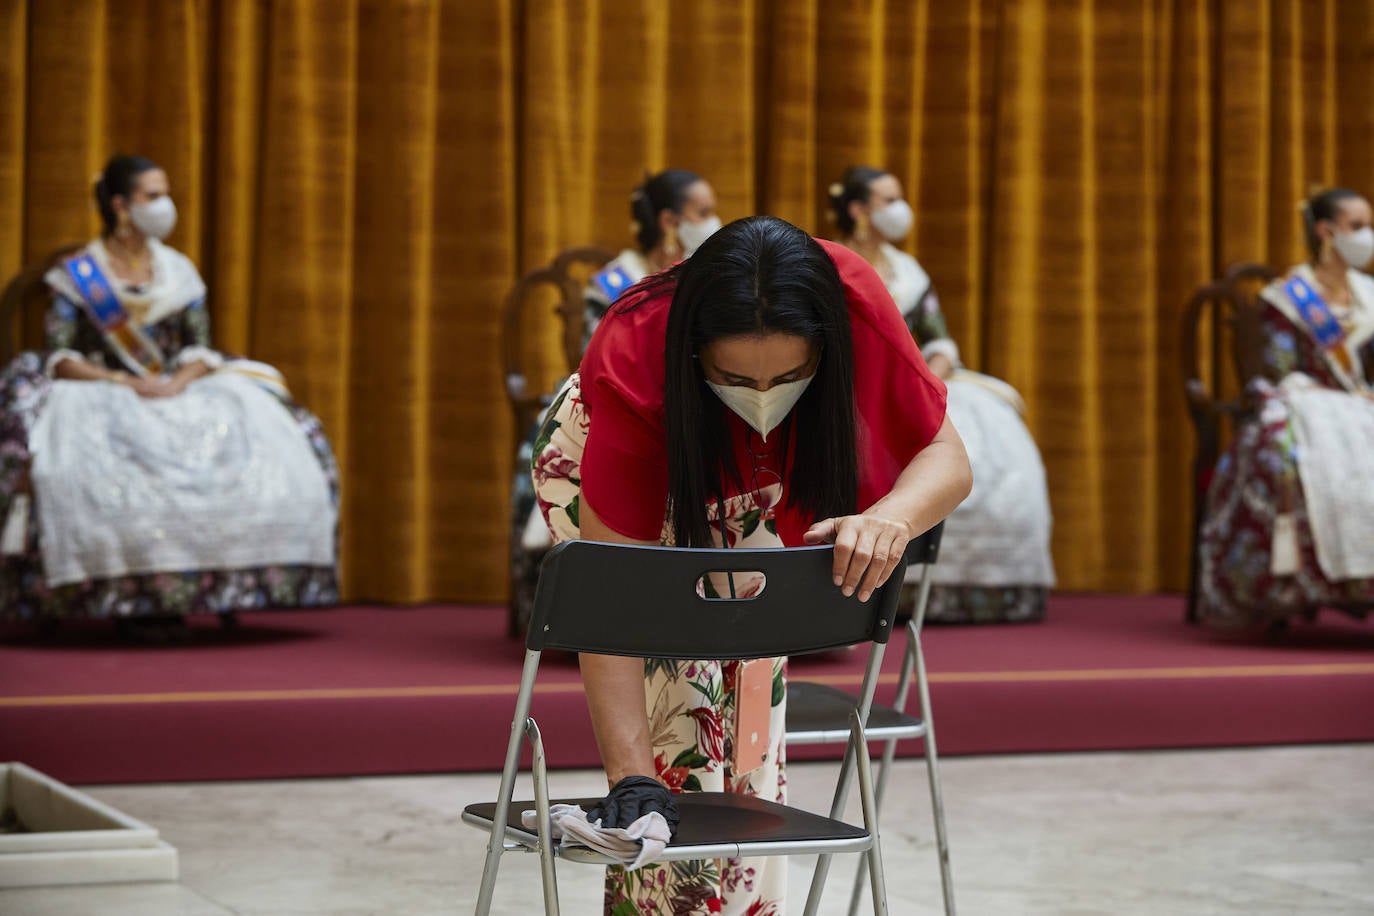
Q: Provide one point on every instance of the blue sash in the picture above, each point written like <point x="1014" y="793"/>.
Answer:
<point x="1316" y="314"/>
<point x="613" y="281"/>
<point x="132" y="346"/>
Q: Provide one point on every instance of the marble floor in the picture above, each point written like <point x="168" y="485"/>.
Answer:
<point x="1266" y="831"/>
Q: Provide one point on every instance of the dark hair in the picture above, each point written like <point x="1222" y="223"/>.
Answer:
<point x="665" y="191"/>
<point x="857" y="184"/>
<point x="758" y="275"/>
<point x="1323" y="205"/>
<point x="119" y="178"/>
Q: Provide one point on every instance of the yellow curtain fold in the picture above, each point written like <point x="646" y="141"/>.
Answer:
<point x="14" y="75"/>
<point x="362" y="181"/>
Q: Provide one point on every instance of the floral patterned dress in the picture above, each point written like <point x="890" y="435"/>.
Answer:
<point x="1256" y="481"/>
<point x="24" y="593"/>
<point x="691" y="704"/>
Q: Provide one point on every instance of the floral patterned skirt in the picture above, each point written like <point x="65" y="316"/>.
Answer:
<point x="982" y="603"/>
<point x="691" y="705"/>
<point x="1255" y="478"/>
<point x="24" y="593"/>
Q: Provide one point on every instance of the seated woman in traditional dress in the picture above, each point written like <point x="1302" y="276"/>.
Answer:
<point x="671" y="214"/>
<point x="143" y="475"/>
<point x="995" y="558"/>
<point x="1289" y="525"/>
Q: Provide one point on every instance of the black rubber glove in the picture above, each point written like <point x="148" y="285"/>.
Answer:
<point x="632" y="798"/>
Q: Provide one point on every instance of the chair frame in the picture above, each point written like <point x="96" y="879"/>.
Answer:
<point x="797" y="578"/>
<point x="20" y="293"/>
<point x="908" y="727"/>
<point x="525" y="405"/>
<point x="1227" y="307"/>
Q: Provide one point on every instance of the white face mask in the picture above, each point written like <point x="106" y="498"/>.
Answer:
<point x="693" y="234"/>
<point x="1355" y="248"/>
<point x="763" y="410"/>
<point x="893" y="222"/>
<point x="155" y="220"/>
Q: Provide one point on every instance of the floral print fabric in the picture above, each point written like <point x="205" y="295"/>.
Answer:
<point x="691" y="704"/>
<point x="24" y="594"/>
<point x="1255" y="481"/>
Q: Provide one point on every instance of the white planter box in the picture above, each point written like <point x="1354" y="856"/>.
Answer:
<point x="70" y="838"/>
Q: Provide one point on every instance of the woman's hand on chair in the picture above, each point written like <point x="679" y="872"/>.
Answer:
<point x="867" y="549"/>
<point x="633" y="797"/>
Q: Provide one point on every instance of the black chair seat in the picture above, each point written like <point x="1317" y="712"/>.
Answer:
<point x="708" y="819"/>
<point x="819" y="714"/>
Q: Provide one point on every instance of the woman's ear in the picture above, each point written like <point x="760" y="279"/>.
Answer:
<point x="857" y="209"/>
<point x="668" y="220"/>
<point x="119" y="203"/>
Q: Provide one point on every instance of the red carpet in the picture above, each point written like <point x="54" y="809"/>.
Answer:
<point x="394" y="690"/>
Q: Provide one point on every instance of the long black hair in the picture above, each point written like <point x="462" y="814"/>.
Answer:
<point x="1323" y="205"/>
<point x="665" y="191"/>
<point x="856" y="184"/>
<point x="119" y="178"/>
<point x="758" y="276"/>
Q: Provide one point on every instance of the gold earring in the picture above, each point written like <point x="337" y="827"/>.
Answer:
<point x="861" y="229"/>
<point x="670" y="245"/>
<point x="1325" y="252"/>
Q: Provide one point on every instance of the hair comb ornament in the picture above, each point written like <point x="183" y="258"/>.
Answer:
<point x="836" y="190"/>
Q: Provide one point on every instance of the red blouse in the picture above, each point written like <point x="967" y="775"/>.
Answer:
<point x="901" y="405"/>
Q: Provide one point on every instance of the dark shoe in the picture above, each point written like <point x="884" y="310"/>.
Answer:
<point x="154" y="631"/>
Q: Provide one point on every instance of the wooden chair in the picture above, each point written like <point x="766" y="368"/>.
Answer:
<point x="24" y="303"/>
<point x="1222" y="323"/>
<point x="521" y="318"/>
<point x="569" y="310"/>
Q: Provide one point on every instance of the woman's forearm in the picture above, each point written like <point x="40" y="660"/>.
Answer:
<point x="941" y="365"/>
<point x="189" y="373"/>
<point x="615" y="689"/>
<point x="935" y="482"/>
<point x="79" y="370"/>
<point x="615" y="699"/>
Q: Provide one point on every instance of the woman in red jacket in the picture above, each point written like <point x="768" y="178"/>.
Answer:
<point x="764" y="392"/>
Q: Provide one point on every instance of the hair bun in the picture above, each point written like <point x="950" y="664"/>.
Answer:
<point x="836" y="190"/>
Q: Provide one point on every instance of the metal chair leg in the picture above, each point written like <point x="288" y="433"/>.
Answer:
<point x="874" y="856"/>
<point x="937" y="803"/>
<point x="496" y="843"/>
<point x="870" y="686"/>
<point x="541" y="810"/>
<point x="889" y="756"/>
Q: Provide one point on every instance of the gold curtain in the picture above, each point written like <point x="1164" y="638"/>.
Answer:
<point x="361" y="181"/>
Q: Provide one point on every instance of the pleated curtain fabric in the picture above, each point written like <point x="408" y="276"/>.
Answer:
<point x="362" y="181"/>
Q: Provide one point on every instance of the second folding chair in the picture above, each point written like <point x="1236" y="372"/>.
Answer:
<point x="816" y="714"/>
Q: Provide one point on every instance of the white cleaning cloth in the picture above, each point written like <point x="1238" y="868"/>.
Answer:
<point x="634" y="846"/>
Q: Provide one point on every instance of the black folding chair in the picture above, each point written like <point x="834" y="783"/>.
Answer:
<point x="799" y="610"/>
<point x="816" y="714"/>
